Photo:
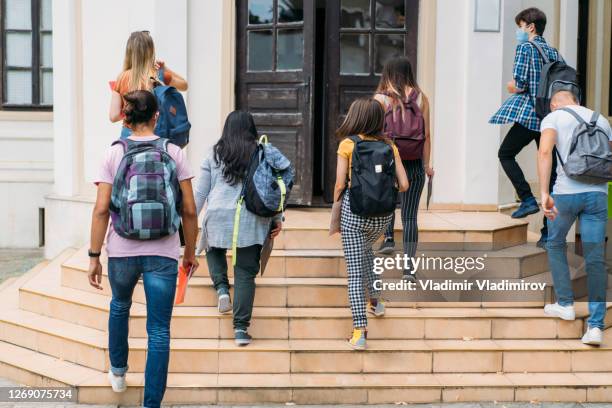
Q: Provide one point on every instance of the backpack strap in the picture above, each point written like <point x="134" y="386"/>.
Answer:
<point x="575" y="115"/>
<point x="122" y="142"/>
<point x="541" y="51"/>
<point x="162" y="143"/>
<point x="595" y="118"/>
<point x="241" y="201"/>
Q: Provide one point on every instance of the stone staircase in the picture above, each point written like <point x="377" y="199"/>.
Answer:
<point x="53" y="330"/>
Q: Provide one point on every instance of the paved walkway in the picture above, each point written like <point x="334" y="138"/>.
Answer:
<point x="14" y="262"/>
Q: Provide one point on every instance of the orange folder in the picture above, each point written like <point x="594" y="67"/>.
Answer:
<point x="183" y="281"/>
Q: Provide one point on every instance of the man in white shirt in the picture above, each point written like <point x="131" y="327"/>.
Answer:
<point x="571" y="200"/>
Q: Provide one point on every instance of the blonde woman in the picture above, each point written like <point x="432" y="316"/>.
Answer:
<point x="139" y="66"/>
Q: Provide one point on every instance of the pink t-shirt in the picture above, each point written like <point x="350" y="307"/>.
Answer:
<point x="117" y="246"/>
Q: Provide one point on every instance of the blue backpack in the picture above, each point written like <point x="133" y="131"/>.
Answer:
<point x="146" y="200"/>
<point x="173" y="123"/>
<point x="266" y="187"/>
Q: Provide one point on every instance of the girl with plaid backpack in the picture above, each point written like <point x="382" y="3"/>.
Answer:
<point x="144" y="185"/>
<point x="366" y="159"/>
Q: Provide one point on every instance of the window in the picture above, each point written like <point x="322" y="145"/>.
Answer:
<point x="371" y="33"/>
<point x="27" y="59"/>
<point x="275" y="35"/>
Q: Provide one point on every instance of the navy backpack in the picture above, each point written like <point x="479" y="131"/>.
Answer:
<point x="173" y="123"/>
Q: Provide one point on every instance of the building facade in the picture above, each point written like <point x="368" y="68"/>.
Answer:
<point x="296" y="65"/>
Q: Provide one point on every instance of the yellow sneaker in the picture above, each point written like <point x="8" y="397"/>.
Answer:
<point x="358" y="341"/>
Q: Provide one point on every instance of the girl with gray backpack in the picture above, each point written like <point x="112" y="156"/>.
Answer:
<point x="233" y="222"/>
<point x="407" y="124"/>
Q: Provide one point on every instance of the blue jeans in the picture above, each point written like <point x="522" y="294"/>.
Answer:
<point x="159" y="277"/>
<point x="591" y="208"/>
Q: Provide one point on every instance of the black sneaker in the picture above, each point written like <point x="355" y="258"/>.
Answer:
<point x="241" y="337"/>
<point x="387" y="247"/>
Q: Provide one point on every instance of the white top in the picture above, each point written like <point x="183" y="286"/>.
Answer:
<point x="565" y="124"/>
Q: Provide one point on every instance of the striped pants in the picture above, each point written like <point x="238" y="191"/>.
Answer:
<point x="410" y="207"/>
<point x="358" y="235"/>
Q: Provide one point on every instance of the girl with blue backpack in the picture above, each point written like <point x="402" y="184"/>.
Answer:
<point x="141" y="71"/>
<point x="144" y="186"/>
<point x="369" y="174"/>
<point x="224" y="172"/>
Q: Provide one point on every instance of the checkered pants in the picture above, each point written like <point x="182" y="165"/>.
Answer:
<point x="358" y="235"/>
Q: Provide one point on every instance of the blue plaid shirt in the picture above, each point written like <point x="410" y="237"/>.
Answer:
<point x="520" y="107"/>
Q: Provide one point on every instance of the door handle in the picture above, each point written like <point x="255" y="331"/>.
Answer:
<point x="306" y="86"/>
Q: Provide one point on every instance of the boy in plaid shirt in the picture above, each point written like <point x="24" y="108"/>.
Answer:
<point x="519" y="108"/>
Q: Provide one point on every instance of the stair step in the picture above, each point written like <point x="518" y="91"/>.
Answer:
<point x="88" y="347"/>
<point x="509" y="263"/>
<point x="305" y="229"/>
<point x="332" y="292"/>
<point x="91" y="310"/>
<point x="36" y="369"/>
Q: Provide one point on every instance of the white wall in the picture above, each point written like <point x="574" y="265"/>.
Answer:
<point x="26" y="175"/>
<point x="191" y="36"/>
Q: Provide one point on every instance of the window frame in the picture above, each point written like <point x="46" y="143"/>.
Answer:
<point x="36" y="68"/>
<point x="372" y="32"/>
<point x="274" y="26"/>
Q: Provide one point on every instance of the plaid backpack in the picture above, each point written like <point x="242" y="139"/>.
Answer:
<point x="146" y="198"/>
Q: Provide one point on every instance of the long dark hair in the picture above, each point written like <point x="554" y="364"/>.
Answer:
<point x="365" y="117"/>
<point x="397" y="75"/>
<point x="237" y="143"/>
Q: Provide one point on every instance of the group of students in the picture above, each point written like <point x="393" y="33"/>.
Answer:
<point x="145" y="189"/>
<point x="384" y="151"/>
<point x="574" y="165"/>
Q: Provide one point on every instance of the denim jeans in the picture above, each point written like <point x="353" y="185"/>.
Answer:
<point x="245" y="271"/>
<point x="591" y="208"/>
<point x="159" y="277"/>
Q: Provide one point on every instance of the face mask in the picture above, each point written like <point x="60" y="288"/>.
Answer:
<point x="521" y="36"/>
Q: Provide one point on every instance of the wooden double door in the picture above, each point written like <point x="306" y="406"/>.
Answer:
<point x="300" y="64"/>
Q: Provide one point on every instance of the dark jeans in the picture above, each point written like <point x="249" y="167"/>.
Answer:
<point x="245" y="271"/>
<point x="159" y="277"/>
<point x="591" y="208"/>
<point x="517" y="138"/>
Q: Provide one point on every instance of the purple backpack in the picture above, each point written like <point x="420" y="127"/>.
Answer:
<point x="407" y="128"/>
<point x="146" y="198"/>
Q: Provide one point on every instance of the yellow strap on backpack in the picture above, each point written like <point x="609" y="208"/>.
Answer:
<point x="236" y="227"/>
<point x="262" y="140"/>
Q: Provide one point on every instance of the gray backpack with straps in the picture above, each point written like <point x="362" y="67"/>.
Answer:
<point x="590" y="159"/>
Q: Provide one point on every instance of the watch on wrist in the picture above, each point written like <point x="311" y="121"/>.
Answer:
<point x="93" y="254"/>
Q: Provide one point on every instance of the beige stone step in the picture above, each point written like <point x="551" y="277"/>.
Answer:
<point x="88" y="347"/>
<point x="508" y="263"/>
<point x="332" y="292"/>
<point x="308" y="229"/>
<point x="45" y="296"/>
<point x="36" y="369"/>
<point x="91" y="310"/>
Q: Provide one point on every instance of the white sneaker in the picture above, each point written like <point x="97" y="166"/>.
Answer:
<point x="562" y="312"/>
<point x="117" y="382"/>
<point x="224" y="304"/>
<point x="593" y="336"/>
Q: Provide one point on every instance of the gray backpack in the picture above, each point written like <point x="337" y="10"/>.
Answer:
<point x="590" y="159"/>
